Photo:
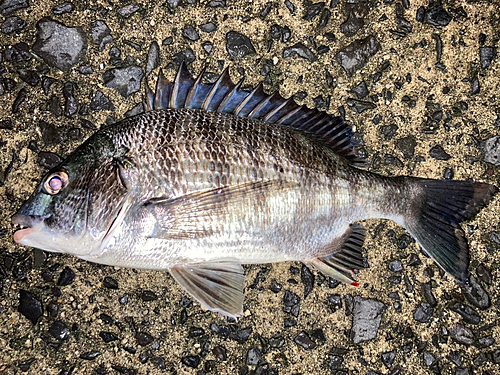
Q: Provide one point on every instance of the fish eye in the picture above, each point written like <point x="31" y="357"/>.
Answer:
<point x="56" y="182"/>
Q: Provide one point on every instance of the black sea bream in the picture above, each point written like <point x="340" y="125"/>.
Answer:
<point x="211" y="177"/>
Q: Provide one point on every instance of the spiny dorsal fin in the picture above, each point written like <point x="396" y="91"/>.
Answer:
<point x="341" y="263"/>
<point x="225" y="97"/>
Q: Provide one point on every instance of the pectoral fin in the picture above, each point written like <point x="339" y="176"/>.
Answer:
<point x="217" y="285"/>
<point x="202" y="214"/>
<point x="342" y="261"/>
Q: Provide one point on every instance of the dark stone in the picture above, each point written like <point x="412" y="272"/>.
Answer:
<point x="275" y="286"/>
<point x="388" y="131"/>
<point x="59" y="331"/>
<point x="60" y="46"/>
<point x="290" y="298"/>
<point x="482" y="271"/>
<point x="143" y="338"/>
<point x="70" y="104"/>
<point x="407" y="146"/>
<point x="124" y="370"/>
<point x="207" y="47"/>
<point x="217" y="4"/>
<point x="124" y="80"/>
<point x="438" y="153"/>
<point x="423" y="313"/>
<point x="222" y="331"/>
<point x="475" y="294"/>
<point x="254" y="357"/>
<point x="187" y="56"/>
<point x="475" y="87"/>
<point x="48" y="159"/>
<point x="24" y="366"/>
<point x="195" y="332"/>
<point x="357" y="54"/>
<point x="190" y="33"/>
<point x="486" y="55"/>
<point x="303" y="340"/>
<point x="367" y="314"/>
<point x="110" y="283"/>
<point x="307" y="278"/>
<point x="20" y="98"/>
<point x="51" y="134"/>
<point x="428" y="295"/>
<point x="491" y="152"/>
<point x="17" y="53"/>
<point x="31" y="77"/>
<point x="128" y="10"/>
<point x="192" y="361"/>
<point x="277" y="341"/>
<point x="108" y="336"/>
<point x="101" y="103"/>
<point x="485" y="342"/>
<point x="361" y="90"/>
<point x="388" y="358"/>
<point x="468" y="314"/>
<point x="148" y="295"/>
<point x="63" y="8"/>
<point x="208" y="27"/>
<point x="219" y="353"/>
<point x="12" y="25"/>
<point x="335" y="301"/>
<point x="356" y="11"/>
<point x="435" y="15"/>
<point x="461" y="334"/>
<point x="238" y="45"/>
<point x="396" y="266"/>
<point x="8" y="7"/>
<point x="359" y="106"/>
<point x="299" y="49"/>
<point x="29" y="306"/>
<point x="6" y="124"/>
<point x="153" y="58"/>
<point x="101" y="34"/>
<point x="241" y="335"/>
<point x="312" y="10"/>
<point x="66" y="277"/>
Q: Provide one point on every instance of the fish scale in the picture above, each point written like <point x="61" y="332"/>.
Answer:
<point x="211" y="177"/>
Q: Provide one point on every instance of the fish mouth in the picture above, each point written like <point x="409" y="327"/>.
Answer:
<point x="25" y="226"/>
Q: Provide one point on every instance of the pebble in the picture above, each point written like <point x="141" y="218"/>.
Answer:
<point x="128" y="10"/>
<point x="437" y="152"/>
<point x="254" y="357"/>
<point x="208" y="27"/>
<point x="491" y="150"/>
<point x="190" y="33"/>
<point x="153" y="58"/>
<point x="108" y="337"/>
<point x="388" y="358"/>
<point x="434" y="15"/>
<point x="124" y="80"/>
<point x="359" y="106"/>
<point x="312" y="10"/>
<point x="485" y="342"/>
<point x="70" y="104"/>
<point x="20" y="98"/>
<point x="91" y="355"/>
<point x="357" y="54"/>
<point x="143" y="338"/>
<point x="461" y="334"/>
<point x="101" y="34"/>
<point x="396" y="266"/>
<point x="110" y="283"/>
<point x="29" y="306"/>
<point x="220" y="353"/>
<point x="59" y="330"/>
<point x="101" y="103"/>
<point x="8" y="7"/>
<point x="59" y="45"/>
<point x="423" y="313"/>
<point x="307" y="278"/>
<point x="299" y="49"/>
<point x="303" y="340"/>
<point x="148" y="295"/>
<point x="486" y="56"/>
<point x="48" y="159"/>
<point x="356" y="12"/>
<point x="63" y="8"/>
<point x="407" y="146"/>
<point x="238" y="45"/>
<point x="192" y="361"/>
<point x="66" y="277"/>
<point x="17" y="53"/>
<point x="367" y="314"/>
<point x="12" y="25"/>
<point x="475" y="294"/>
<point x="468" y="314"/>
<point x="361" y="90"/>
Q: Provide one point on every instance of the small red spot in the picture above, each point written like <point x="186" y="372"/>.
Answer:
<point x="219" y="191"/>
<point x="354" y="283"/>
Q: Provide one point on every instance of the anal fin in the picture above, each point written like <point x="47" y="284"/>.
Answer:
<point x="217" y="285"/>
<point x="344" y="259"/>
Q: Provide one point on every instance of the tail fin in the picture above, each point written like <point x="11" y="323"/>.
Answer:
<point x="435" y="226"/>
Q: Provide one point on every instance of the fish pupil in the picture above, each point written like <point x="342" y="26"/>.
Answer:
<point x="55" y="183"/>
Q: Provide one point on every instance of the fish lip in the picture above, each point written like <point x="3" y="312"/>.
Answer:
<point x="28" y="224"/>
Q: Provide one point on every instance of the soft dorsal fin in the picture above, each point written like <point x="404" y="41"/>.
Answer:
<point x="342" y="261"/>
<point x="225" y="97"/>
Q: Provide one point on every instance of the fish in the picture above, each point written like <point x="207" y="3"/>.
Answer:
<point x="212" y="176"/>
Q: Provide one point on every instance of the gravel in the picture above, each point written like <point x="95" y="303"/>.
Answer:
<point x="367" y="315"/>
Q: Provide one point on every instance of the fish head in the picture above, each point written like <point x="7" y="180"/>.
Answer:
<point x="75" y="204"/>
